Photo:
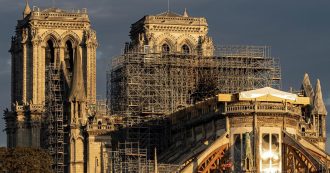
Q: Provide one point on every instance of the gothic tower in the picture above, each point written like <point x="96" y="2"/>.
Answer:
<point x="171" y="33"/>
<point x="53" y="82"/>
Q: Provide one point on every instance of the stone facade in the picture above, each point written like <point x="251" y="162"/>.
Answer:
<point x="171" y="33"/>
<point x="62" y="40"/>
<point x="255" y="129"/>
<point x="50" y="30"/>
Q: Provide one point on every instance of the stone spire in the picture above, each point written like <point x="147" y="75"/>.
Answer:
<point x="248" y="159"/>
<point x="77" y="87"/>
<point x="27" y="9"/>
<point x="318" y="107"/>
<point x="185" y="13"/>
<point x="307" y="88"/>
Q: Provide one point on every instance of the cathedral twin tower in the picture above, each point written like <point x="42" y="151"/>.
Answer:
<point x="53" y="85"/>
<point x="64" y="43"/>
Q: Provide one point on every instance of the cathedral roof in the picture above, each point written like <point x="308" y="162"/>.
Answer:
<point x="267" y="91"/>
<point x="266" y="94"/>
<point x="77" y="87"/>
<point x="319" y="107"/>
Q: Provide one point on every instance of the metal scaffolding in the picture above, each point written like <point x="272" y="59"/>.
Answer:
<point x="130" y="157"/>
<point x="149" y="131"/>
<point x="143" y="83"/>
<point x="55" y="119"/>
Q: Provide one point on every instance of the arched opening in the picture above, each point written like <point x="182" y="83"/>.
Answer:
<point x="303" y="131"/>
<point x="50" y="53"/>
<point x="185" y="49"/>
<point x="68" y="56"/>
<point x="166" y="48"/>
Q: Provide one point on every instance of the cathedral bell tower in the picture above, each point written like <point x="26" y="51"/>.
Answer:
<point x="171" y="33"/>
<point x="53" y="80"/>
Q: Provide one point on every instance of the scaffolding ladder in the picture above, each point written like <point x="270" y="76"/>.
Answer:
<point x="54" y="109"/>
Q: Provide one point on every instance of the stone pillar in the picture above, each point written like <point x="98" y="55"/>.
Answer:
<point x="10" y="128"/>
<point x="324" y="130"/>
<point x="61" y="54"/>
<point x="76" y="152"/>
<point x="89" y="61"/>
<point x="87" y="58"/>
<point x="94" y="153"/>
<point x="57" y="56"/>
<point x="10" y="137"/>
<point x="35" y="129"/>
<point x="24" y="74"/>
<point x="94" y="74"/>
<point x="21" y="134"/>
<point x="35" y="72"/>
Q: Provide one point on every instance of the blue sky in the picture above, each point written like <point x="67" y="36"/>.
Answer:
<point x="297" y="30"/>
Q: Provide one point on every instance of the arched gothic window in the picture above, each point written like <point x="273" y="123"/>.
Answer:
<point x="68" y="56"/>
<point x="49" y="53"/>
<point x="185" y="49"/>
<point x="166" y="49"/>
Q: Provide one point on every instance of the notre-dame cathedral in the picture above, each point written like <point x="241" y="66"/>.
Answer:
<point x="187" y="106"/>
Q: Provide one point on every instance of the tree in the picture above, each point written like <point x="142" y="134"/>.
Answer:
<point x="25" y="160"/>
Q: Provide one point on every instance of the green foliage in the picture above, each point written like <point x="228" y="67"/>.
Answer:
<point x="25" y="160"/>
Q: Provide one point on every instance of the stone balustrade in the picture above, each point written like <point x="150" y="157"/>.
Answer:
<point x="262" y="107"/>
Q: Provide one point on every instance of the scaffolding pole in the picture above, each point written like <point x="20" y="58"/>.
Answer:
<point x="130" y="157"/>
<point x="155" y="83"/>
<point x="144" y="85"/>
<point x="55" y="119"/>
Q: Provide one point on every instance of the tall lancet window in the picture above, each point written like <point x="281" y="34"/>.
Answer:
<point x="270" y="158"/>
<point x="185" y="49"/>
<point x="68" y="56"/>
<point x="166" y="49"/>
<point x="50" y="53"/>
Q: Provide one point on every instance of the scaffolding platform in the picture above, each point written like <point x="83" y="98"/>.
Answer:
<point x="155" y="83"/>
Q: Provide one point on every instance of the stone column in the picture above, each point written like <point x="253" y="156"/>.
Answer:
<point x="61" y="54"/>
<point x="57" y="56"/>
<point x="24" y="74"/>
<point x="10" y="128"/>
<point x="35" y="72"/>
<point x="41" y="54"/>
<point x="35" y="129"/>
<point x="324" y="130"/>
<point x="87" y="58"/>
<point x="76" y="153"/>
<point x="42" y="74"/>
<point x="21" y="135"/>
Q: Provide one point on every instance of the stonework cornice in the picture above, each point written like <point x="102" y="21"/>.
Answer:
<point x="61" y="25"/>
<point x="168" y="28"/>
